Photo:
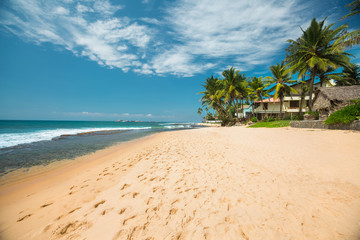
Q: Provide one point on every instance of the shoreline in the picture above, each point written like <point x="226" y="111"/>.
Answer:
<point x="58" y="169"/>
<point x="213" y="183"/>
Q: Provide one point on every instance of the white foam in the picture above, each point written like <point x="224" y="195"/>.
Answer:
<point x="13" y="139"/>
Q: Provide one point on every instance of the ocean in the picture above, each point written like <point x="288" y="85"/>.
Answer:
<point x="24" y="144"/>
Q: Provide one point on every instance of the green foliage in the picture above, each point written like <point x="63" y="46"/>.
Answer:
<point x="269" y="119"/>
<point x="209" y="116"/>
<point x="349" y="76"/>
<point x="345" y="115"/>
<point x="273" y="124"/>
<point x="316" y="114"/>
<point x="254" y="119"/>
<point x="298" y="118"/>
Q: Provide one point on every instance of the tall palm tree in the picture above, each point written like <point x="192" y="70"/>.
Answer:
<point x="280" y="81"/>
<point x="232" y="87"/>
<point x="349" y="76"/>
<point x="317" y="49"/>
<point x="257" y="90"/>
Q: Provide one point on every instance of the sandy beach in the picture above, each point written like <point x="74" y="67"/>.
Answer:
<point x="209" y="183"/>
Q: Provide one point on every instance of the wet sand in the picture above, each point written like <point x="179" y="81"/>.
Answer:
<point x="210" y="183"/>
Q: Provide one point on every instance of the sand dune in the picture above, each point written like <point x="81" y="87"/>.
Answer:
<point x="213" y="183"/>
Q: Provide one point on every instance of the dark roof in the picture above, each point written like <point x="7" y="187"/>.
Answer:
<point x="325" y="95"/>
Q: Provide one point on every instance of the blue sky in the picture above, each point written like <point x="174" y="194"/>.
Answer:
<point x="139" y="59"/>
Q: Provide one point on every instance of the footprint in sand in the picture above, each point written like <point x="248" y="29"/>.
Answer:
<point x="125" y="186"/>
<point x="99" y="203"/>
<point x="45" y="205"/>
<point x="126" y="220"/>
<point x="122" y="211"/>
<point x="24" y="217"/>
<point x="74" y="210"/>
<point x="135" y="194"/>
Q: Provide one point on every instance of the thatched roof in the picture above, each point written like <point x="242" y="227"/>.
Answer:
<point x="328" y="97"/>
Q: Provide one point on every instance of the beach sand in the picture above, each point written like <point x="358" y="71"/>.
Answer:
<point x="209" y="183"/>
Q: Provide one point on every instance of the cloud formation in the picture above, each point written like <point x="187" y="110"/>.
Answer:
<point x="190" y="38"/>
<point x="87" y="29"/>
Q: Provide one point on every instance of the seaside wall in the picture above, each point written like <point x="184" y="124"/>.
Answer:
<point x="355" y="125"/>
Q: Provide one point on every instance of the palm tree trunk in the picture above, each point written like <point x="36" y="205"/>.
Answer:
<point x="281" y="105"/>
<point x="301" y="103"/>
<point x="311" y="87"/>
<point x="236" y="109"/>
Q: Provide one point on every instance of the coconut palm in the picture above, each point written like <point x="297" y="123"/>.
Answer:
<point x="349" y="76"/>
<point x="211" y="97"/>
<point x="257" y="89"/>
<point x="317" y="50"/>
<point x="232" y="87"/>
<point x="326" y="76"/>
<point x="354" y="8"/>
<point x="281" y="81"/>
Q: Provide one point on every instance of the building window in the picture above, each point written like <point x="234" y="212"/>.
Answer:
<point x="265" y="106"/>
<point x="294" y="104"/>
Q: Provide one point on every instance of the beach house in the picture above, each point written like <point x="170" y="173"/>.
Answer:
<point x="245" y="111"/>
<point x="270" y="107"/>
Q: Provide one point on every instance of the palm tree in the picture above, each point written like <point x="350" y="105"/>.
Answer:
<point x="326" y="76"/>
<point x="257" y="89"/>
<point x="349" y="76"/>
<point x="280" y="81"/>
<point x="304" y="89"/>
<point x="316" y="50"/>
<point x="211" y="97"/>
<point x="199" y="111"/>
<point x="354" y="9"/>
<point x="232" y="87"/>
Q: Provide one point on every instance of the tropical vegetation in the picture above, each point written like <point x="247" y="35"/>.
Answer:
<point x="318" y="54"/>
<point x="271" y="124"/>
<point x="345" y="115"/>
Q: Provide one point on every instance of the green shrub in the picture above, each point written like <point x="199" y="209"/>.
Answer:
<point x="254" y="119"/>
<point x="345" y="115"/>
<point x="298" y="118"/>
<point x="287" y="117"/>
<point x="274" y="124"/>
<point x="269" y="119"/>
<point x="316" y="114"/>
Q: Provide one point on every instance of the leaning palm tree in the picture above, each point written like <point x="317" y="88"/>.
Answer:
<point x="211" y="97"/>
<point x="257" y="89"/>
<point x="317" y="50"/>
<point x="281" y="81"/>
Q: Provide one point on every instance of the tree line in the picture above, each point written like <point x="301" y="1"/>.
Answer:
<point x="316" y="54"/>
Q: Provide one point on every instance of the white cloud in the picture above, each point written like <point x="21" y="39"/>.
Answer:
<point x="151" y="20"/>
<point x="88" y="29"/>
<point x="192" y="37"/>
<point x="247" y="33"/>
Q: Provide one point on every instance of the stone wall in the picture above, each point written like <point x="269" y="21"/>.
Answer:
<point x="355" y="125"/>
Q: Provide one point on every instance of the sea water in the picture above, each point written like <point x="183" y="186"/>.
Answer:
<point x="24" y="144"/>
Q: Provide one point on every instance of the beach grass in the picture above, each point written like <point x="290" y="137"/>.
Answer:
<point x="274" y="124"/>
